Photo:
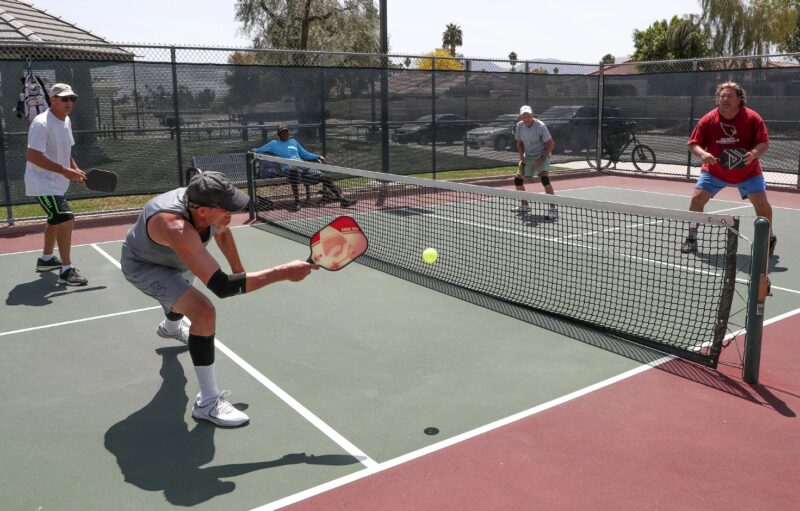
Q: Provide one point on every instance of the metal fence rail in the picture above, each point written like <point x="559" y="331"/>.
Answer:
<point x="145" y="110"/>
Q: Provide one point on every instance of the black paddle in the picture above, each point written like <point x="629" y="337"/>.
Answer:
<point x="101" y="180"/>
<point x="732" y="158"/>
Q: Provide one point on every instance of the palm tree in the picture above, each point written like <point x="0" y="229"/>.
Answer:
<point x="512" y="58"/>
<point x="452" y="37"/>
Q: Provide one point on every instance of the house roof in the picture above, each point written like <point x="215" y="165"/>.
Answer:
<point x="26" y="28"/>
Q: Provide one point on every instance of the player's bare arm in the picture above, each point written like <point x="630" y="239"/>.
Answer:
<point x="756" y="152"/>
<point x="40" y="160"/>
<point x="227" y="244"/>
<point x="177" y="233"/>
<point x="701" y="153"/>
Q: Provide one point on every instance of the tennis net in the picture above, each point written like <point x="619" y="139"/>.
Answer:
<point x="615" y="267"/>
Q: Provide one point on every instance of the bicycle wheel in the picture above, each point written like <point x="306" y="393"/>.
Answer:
<point x="644" y="159"/>
<point x="591" y="158"/>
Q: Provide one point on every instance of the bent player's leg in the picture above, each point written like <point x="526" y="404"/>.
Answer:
<point x="519" y="184"/>
<point x="700" y="198"/>
<point x="764" y="209"/>
<point x="210" y="404"/>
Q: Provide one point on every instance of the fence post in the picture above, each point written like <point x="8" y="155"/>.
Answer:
<point x="527" y="83"/>
<point x="6" y="181"/>
<point x="600" y="103"/>
<point x="433" y="115"/>
<point x="756" y="296"/>
<point x="323" y="126"/>
<point x="467" y="66"/>
<point x="691" y="119"/>
<point x="179" y="145"/>
<point x="384" y="37"/>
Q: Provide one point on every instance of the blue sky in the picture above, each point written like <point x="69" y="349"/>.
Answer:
<point x="570" y="30"/>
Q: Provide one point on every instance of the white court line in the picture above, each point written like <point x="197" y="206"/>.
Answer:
<point x="52" y="325"/>
<point x="683" y="196"/>
<point x="342" y="481"/>
<point x="297" y="497"/>
<point x="304" y="412"/>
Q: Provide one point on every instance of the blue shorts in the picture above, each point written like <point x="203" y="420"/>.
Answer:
<point x="713" y="184"/>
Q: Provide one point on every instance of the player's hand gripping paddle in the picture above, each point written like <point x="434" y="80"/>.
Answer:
<point x="732" y="158"/>
<point x="338" y="244"/>
<point x="101" y="180"/>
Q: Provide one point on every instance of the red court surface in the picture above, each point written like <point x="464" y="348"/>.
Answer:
<point x="677" y="436"/>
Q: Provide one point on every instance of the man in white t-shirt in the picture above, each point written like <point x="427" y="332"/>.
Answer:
<point x="49" y="170"/>
<point x="534" y="145"/>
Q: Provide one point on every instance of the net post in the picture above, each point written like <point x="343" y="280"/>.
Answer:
<point x="757" y="294"/>
<point x="251" y="188"/>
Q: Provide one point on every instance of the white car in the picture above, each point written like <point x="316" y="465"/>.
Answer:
<point x="499" y="135"/>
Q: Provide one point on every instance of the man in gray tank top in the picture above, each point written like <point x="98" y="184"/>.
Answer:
<point x="163" y="252"/>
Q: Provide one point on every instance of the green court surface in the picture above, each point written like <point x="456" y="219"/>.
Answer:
<point x="341" y="372"/>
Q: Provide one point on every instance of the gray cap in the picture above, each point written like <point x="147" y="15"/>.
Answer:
<point x="212" y="189"/>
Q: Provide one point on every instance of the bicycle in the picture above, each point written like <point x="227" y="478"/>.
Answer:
<point x="616" y="139"/>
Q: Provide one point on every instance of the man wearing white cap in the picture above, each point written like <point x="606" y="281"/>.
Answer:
<point x="49" y="169"/>
<point x="535" y="145"/>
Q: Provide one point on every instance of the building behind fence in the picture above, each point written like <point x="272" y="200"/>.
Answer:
<point x="145" y="111"/>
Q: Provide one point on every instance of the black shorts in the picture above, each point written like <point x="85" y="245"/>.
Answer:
<point x="57" y="208"/>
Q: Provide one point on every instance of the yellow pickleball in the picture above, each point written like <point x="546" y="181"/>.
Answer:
<point x="430" y="255"/>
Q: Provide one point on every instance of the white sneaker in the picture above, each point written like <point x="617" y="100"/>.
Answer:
<point x="182" y="334"/>
<point x="522" y="208"/>
<point x="552" y="214"/>
<point x="219" y="411"/>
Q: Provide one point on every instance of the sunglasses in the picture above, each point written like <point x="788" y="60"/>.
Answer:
<point x="68" y="99"/>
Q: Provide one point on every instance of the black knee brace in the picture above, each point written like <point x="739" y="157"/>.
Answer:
<point x="545" y="180"/>
<point x="201" y="349"/>
<point x="518" y="181"/>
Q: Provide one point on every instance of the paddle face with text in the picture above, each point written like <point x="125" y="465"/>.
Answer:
<point x="732" y="158"/>
<point x="101" y="180"/>
<point x="338" y="244"/>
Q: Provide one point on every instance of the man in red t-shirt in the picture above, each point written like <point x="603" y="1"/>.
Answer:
<point x="730" y="126"/>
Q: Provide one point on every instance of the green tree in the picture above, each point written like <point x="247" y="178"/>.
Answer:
<point x="678" y="38"/>
<point x="512" y="58"/>
<point x="452" y="37"/>
<point x="332" y="25"/>
<point x="608" y="59"/>
<point x="791" y="44"/>
<point x="737" y="27"/>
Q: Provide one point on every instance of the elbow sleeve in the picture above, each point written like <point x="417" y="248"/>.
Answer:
<point x="224" y="285"/>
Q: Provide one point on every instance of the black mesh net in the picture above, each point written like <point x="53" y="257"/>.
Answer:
<point x="614" y="267"/>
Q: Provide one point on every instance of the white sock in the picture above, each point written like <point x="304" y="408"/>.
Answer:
<point x="207" y="377"/>
<point x="46" y="257"/>
<point x="172" y="327"/>
<point x="65" y="267"/>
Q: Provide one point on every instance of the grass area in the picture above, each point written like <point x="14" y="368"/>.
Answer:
<point x="24" y="211"/>
<point x="452" y="175"/>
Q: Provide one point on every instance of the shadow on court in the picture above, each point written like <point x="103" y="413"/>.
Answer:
<point x="156" y="450"/>
<point x="40" y="292"/>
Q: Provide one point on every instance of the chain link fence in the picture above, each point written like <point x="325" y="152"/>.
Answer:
<point x="144" y="111"/>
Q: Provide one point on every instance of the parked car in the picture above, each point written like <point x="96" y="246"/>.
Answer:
<point x="499" y="135"/>
<point x="574" y="127"/>
<point x="449" y="128"/>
